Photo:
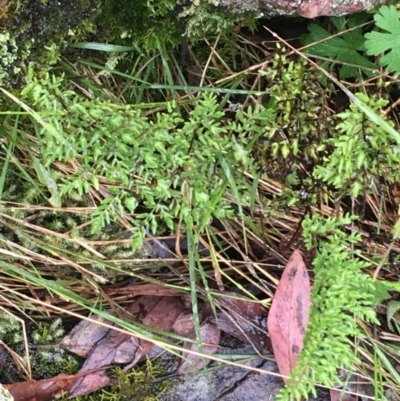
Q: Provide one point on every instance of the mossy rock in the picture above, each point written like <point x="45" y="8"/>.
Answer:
<point x="35" y="32"/>
<point x="32" y="32"/>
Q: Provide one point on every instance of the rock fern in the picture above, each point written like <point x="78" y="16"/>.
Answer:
<point x="159" y="169"/>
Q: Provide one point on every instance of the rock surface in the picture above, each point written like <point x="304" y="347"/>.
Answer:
<point x="231" y="383"/>
<point x="304" y="8"/>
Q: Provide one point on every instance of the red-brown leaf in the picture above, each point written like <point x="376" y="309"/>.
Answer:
<point x="210" y="335"/>
<point x="42" y="390"/>
<point x="243" y="319"/>
<point x="117" y="347"/>
<point x="184" y="325"/>
<point x="288" y="315"/>
<point x="87" y="335"/>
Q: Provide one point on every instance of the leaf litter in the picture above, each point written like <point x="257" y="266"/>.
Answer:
<point x="167" y="310"/>
<point x="164" y="310"/>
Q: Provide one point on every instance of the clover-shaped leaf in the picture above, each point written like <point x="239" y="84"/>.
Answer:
<point x="347" y="48"/>
<point x="379" y="42"/>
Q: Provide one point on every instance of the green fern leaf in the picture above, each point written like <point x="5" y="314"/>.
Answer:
<point x="379" y="42"/>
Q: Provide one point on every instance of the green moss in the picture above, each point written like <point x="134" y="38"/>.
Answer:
<point x="10" y="328"/>
<point x="78" y="225"/>
<point x="145" y="23"/>
<point x="210" y="16"/>
<point x="46" y="359"/>
<point x="141" y="22"/>
<point x="49" y="362"/>
<point x="34" y="32"/>
<point x="8" y="56"/>
<point x="139" y="384"/>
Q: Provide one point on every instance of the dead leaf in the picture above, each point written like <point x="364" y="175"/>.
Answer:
<point x="103" y="347"/>
<point x="83" y="336"/>
<point x="126" y="291"/>
<point x="162" y="317"/>
<point x="245" y="320"/>
<point x="117" y="347"/>
<point x="184" y="325"/>
<point x="42" y="390"/>
<point x="210" y="336"/>
<point x="86" y="335"/>
<point x="288" y="315"/>
<point x="235" y="302"/>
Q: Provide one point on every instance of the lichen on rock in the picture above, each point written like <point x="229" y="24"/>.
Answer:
<point x="32" y="32"/>
<point x="35" y="32"/>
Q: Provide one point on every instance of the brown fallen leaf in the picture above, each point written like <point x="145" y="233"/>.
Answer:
<point x="236" y="303"/>
<point x="86" y="335"/>
<point x="83" y="336"/>
<point x="184" y="325"/>
<point x="162" y="317"/>
<point x="288" y="315"/>
<point x="144" y="289"/>
<point x="245" y="320"/>
<point x="117" y="347"/>
<point x="102" y="346"/>
<point x="42" y="390"/>
<point x="210" y="336"/>
<point x="127" y="291"/>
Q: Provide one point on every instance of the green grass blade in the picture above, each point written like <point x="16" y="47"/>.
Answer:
<point x="104" y="47"/>
<point x="9" y="151"/>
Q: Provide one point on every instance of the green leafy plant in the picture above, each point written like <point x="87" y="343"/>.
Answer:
<point x="347" y="49"/>
<point x="158" y="170"/>
<point x="58" y="223"/>
<point x="362" y="152"/>
<point x="393" y="320"/>
<point x="139" y="384"/>
<point x="387" y="19"/>
<point x="341" y="294"/>
<point x="156" y="167"/>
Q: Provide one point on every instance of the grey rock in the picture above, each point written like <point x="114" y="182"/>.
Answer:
<point x="232" y="383"/>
